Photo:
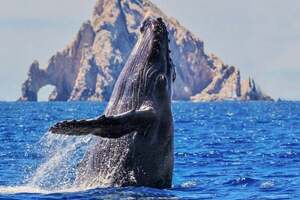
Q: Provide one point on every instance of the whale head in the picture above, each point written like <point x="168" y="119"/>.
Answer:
<point x="159" y="61"/>
<point x="149" y="73"/>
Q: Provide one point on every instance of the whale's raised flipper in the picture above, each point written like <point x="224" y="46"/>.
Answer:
<point x="108" y="126"/>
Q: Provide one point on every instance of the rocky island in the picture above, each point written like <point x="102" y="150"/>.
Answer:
<point x="88" y="68"/>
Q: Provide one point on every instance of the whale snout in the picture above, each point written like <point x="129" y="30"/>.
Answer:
<point x="155" y="24"/>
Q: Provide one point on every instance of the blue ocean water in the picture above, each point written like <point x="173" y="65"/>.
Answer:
<point x="225" y="150"/>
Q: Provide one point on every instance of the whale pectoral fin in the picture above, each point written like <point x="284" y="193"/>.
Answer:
<point x="107" y="126"/>
<point x="75" y="128"/>
<point x="123" y="124"/>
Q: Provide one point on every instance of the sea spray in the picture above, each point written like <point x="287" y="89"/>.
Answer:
<point x="61" y="155"/>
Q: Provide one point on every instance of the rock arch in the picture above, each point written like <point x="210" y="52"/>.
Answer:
<point x="45" y="92"/>
<point x="61" y="71"/>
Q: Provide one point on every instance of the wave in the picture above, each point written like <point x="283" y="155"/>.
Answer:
<point x="241" y="181"/>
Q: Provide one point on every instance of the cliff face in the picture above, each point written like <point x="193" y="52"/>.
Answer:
<point x="88" y="68"/>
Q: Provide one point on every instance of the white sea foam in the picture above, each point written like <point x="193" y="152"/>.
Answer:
<point x="189" y="184"/>
<point x="267" y="185"/>
<point x="20" y="189"/>
<point x="36" y="190"/>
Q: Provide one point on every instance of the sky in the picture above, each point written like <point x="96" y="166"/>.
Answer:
<point x="261" y="38"/>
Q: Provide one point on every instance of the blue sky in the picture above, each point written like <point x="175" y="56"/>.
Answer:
<point x="261" y="38"/>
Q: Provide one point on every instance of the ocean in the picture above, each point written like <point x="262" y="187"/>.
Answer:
<point x="223" y="150"/>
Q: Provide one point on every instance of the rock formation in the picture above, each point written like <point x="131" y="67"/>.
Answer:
<point x="250" y="91"/>
<point x="88" y="68"/>
<point x="225" y="84"/>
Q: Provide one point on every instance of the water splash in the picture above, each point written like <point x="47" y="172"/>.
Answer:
<point x="63" y="153"/>
<point x="57" y="171"/>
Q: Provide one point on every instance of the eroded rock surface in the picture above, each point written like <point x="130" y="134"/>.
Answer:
<point x="88" y="68"/>
<point x="250" y="91"/>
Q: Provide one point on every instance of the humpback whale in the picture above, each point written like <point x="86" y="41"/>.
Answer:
<point x="135" y="143"/>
